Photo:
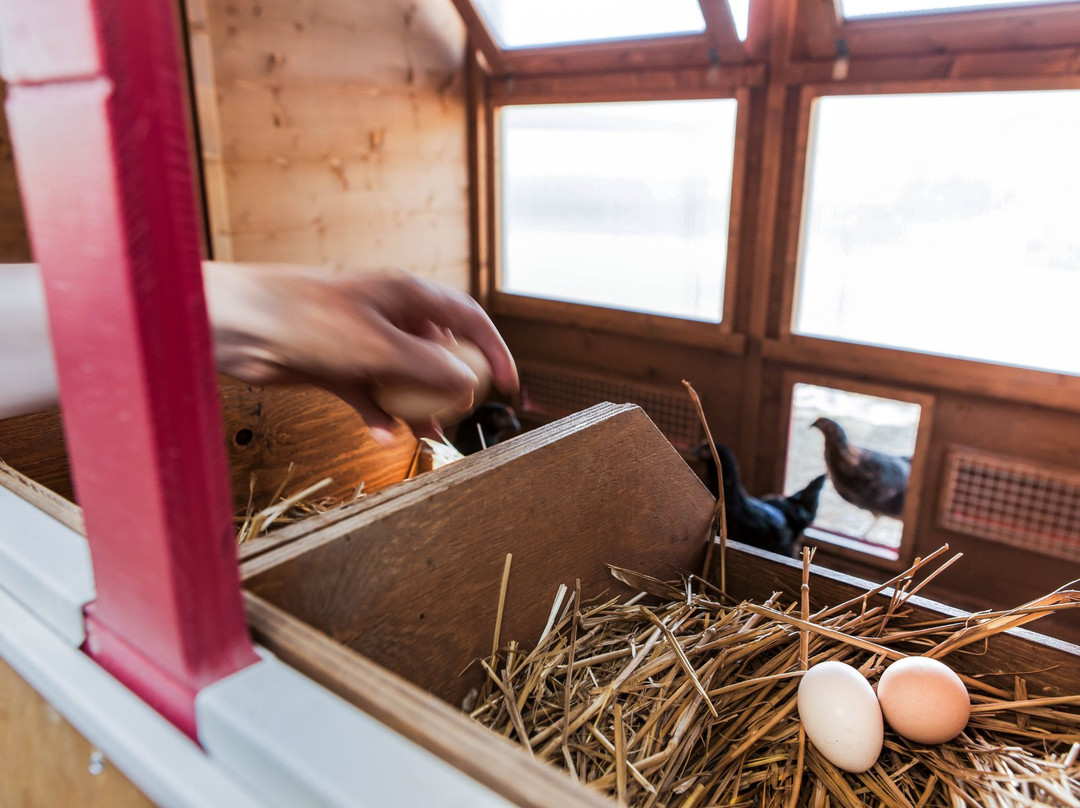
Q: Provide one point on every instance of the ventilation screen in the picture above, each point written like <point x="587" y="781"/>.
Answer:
<point x="555" y="393"/>
<point x="1013" y="502"/>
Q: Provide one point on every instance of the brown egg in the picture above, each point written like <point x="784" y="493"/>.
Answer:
<point x="414" y="403"/>
<point x="923" y="700"/>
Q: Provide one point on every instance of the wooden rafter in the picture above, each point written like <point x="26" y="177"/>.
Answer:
<point x="821" y="28"/>
<point x="684" y="50"/>
<point x="720" y="31"/>
<point x="481" y="36"/>
<point x="620" y="86"/>
<point x="1027" y="27"/>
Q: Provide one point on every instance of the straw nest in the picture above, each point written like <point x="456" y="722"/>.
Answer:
<point x="284" y="509"/>
<point x="681" y="697"/>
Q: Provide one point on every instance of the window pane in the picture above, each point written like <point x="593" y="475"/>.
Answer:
<point x="946" y="224"/>
<point x="527" y="23"/>
<point x="883" y="8"/>
<point x="620" y="204"/>
<point x="740" y="12"/>
<point x="871" y="422"/>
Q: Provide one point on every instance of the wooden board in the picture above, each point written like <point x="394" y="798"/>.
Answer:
<point x="46" y="762"/>
<point x="34" y="445"/>
<point x="1051" y="666"/>
<point x="44" y="499"/>
<point x="269" y="429"/>
<point x="413" y="583"/>
<point x="443" y="730"/>
<point x="266" y="430"/>
<point x="14" y="243"/>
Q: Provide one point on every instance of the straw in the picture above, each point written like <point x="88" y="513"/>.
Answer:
<point x="690" y="701"/>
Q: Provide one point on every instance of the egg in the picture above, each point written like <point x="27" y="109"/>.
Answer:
<point x="415" y="403"/>
<point x="923" y="700"/>
<point x="841" y="716"/>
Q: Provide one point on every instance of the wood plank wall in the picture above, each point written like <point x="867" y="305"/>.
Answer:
<point x="330" y="132"/>
<point x="334" y="132"/>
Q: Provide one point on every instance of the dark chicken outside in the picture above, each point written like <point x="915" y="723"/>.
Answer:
<point x="772" y="522"/>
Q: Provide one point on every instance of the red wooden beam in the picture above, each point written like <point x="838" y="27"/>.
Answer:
<point x="96" y="111"/>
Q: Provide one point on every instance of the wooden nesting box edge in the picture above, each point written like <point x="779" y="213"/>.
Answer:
<point x="303" y="537"/>
<point x="42" y="498"/>
<point x="447" y="733"/>
<point x="1051" y="666"/>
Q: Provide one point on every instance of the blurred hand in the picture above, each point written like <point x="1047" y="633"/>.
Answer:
<point x="280" y="324"/>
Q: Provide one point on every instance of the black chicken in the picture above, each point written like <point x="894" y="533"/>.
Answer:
<point x="485" y="426"/>
<point x="872" y="480"/>
<point x="771" y="522"/>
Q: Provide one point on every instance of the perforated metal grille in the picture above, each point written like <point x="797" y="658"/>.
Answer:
<point x="1013" y="502"/>
<point x="554" y="393"/>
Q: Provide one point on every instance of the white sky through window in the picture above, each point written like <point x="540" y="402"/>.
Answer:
<point x="623" y="205"/>
<point x="946" y="223"/>
<point x="528" y="23"/>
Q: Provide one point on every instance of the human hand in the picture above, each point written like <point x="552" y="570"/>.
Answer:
<point x="281" y="324"/>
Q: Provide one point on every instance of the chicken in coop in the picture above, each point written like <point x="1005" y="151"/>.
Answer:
<point x="869" y="479"/>
<point x="485" y="426"/>
<point x="773" y="522"/>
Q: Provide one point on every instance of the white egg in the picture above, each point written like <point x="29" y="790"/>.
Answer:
<point x="924" y="700"/>
<point x="841" y="716"/>
<point x="414" y="403"/>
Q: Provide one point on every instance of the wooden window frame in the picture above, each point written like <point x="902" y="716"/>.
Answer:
<point x="662" y="86"/>
<point x="900" y="366"/>
<point x="820" y="26"/>
<point x="822" y="539"/>
<point x="718" y="44"/>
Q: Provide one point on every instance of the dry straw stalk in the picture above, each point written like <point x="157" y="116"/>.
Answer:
<point x="690" y="701"/>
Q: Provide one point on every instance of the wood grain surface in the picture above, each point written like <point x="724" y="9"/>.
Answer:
<point x="46" y="762"/>
<point x="413" y="583"/>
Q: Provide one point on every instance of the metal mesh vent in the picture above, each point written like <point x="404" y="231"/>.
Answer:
<point x="555" y="393"/>
<point x="1016" y="503"/>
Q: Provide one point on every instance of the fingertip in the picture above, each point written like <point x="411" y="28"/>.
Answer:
<point x="381" y="434"/>
<point x="504" y="373"/>
<point x="430" y="430"/>
<point x="380" y="426"/>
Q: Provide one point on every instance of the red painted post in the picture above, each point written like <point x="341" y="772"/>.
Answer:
<point x="97" y="118"/>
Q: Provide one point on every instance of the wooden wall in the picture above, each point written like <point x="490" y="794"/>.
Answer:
<point x="333" y="132"/>
<point x="14" y="244"/>
<point x="47" y="762"/>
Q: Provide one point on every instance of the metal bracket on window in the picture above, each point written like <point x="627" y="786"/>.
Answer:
<point x="843" y="60"/>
